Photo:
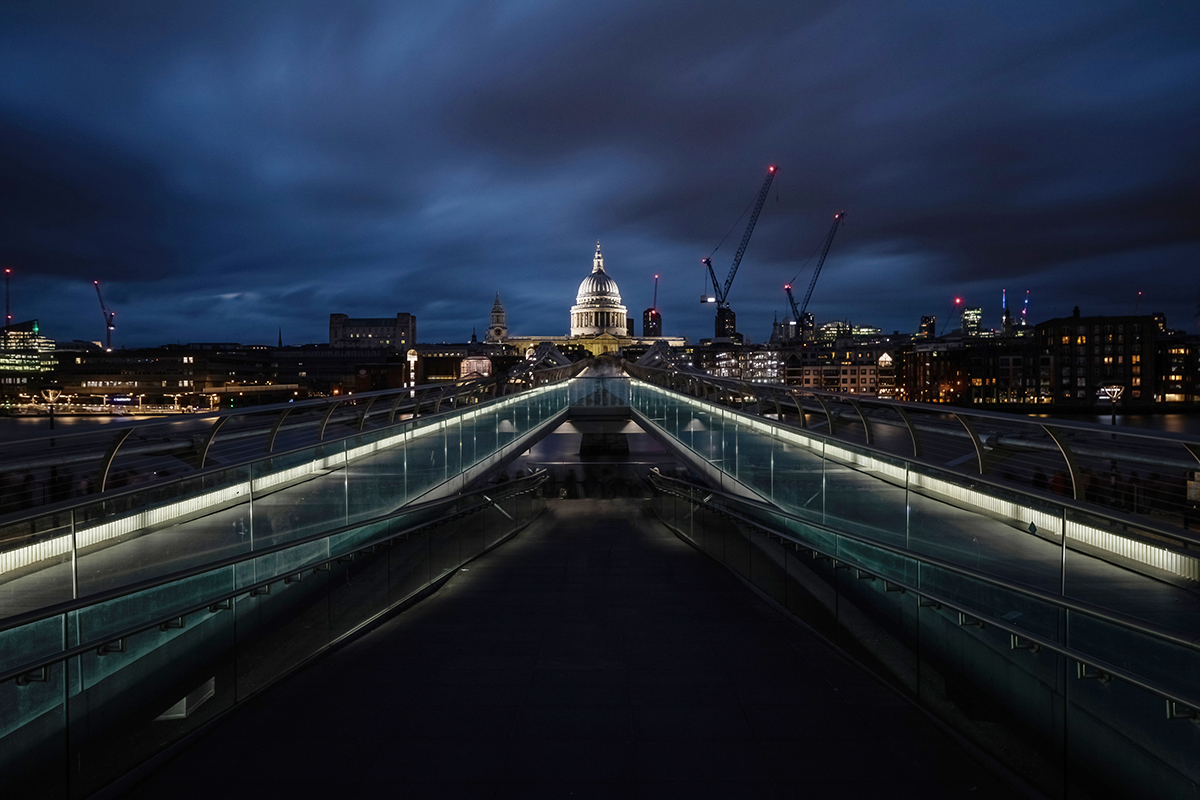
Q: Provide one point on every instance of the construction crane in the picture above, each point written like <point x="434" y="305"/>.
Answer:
<point x="726" y="321"/>
<point x="110" y="318"/>
<point x="799" y="312"/>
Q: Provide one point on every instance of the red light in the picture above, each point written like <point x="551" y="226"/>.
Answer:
<point x="957" y="300"/>
<point x="770" y="169"/>
<point x="787" y="286"/>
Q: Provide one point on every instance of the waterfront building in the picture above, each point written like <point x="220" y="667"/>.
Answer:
<point x="1090" y="352"/>
<point x="373" y="333"/>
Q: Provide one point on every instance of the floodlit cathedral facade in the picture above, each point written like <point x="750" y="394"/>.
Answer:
<point x="598" y="308"/>
<point x="599" y="321"/>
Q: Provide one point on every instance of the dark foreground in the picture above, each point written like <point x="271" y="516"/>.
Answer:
<point x="596" y="655"/>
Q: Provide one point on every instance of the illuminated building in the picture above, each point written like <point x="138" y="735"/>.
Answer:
<point x="1089" y="352"/>
<point x="24" y="353"/>
<point x="598" y="308"/>
<point x="373" y="333"/>
<point x="928" y="327"/>
<point x="971" y="320"/>
<point x="651" y="323"/>
<point x="599" y="322"/>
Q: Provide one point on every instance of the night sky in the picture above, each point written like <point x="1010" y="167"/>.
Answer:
<point x="230" y="169"/>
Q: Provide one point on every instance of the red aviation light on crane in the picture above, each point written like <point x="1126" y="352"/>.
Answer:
<point x="957" y="300"/>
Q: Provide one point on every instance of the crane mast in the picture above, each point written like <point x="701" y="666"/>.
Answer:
<point x="110" y="318"/>
<point x="725" y="317"/>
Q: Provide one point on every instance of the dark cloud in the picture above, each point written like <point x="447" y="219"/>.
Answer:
<point x="228" y="169"/>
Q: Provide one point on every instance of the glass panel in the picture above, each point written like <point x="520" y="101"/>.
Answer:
<point x="280" y="628"/>
<point x="865" y="494"/>
<point x="1008" y="701"/>
<point x="1123" y="744"/>
<point x="168" y="682"/>
<point x="35" y="563"/>
<point x="33" y="735"/>
<point x="1172" y="665"/>
<point x="358" y="589"/>
<point x="298" y="495"/>
<point x="1119" y="567"/>
<point x="408" y="565"/>
<point x="426" y="462"/>
<point x="754" y="459"/>
<point x="797" y="479"/>
<point x="146" y="535"/>
<point x="973" y="524"/>
<point x="1015" y="608"/>
<point x="767" y="566"/>
<point x="375" y="483"/>
<point x="97" y="622"/>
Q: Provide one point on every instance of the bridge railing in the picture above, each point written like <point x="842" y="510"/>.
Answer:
<point x="1140" y="486"/>
<point x="1070" y="694"/>
<point x="50" y="469"/>
<point x="257" y="478"/>
<point x="91" y="689"/>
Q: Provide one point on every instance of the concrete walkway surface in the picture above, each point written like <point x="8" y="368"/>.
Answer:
<point x="595" y="655"/>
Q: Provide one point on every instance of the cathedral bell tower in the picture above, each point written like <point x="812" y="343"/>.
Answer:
<point x="498" y="330"/>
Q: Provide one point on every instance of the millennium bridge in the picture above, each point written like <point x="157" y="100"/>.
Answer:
<point x="601" y="579"/>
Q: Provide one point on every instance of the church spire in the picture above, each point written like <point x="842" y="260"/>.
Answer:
<point x="598" y="261"/>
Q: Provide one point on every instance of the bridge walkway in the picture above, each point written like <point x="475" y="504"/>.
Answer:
<point x="595" y="655"/>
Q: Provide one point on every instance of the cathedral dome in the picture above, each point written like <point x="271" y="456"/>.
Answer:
<point x="598" y="308"/>
<point x="599" y="285"/>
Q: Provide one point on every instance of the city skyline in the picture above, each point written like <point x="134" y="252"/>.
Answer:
<point x="227" y="172"/>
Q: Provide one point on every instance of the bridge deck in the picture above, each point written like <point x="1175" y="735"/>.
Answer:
<point x="594" y="655"/>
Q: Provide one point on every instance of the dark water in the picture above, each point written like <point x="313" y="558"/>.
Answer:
<point x="1185" y="424"/>
<point x="14" y="429"/>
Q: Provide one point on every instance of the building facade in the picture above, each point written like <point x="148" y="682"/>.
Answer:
<point x="598" y="309"/>
<point x="373" y="333"/>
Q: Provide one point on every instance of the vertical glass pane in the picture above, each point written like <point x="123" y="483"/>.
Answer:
<point x="970" y="523"/>
<point x="280" y="628"/>
<point x="375" y="483"/>
<point x="754" y="458"/>
<point x="426" y="460"/>
<point x="408" y="565"/>
<point x="358" y="589"/>
<point x="299" y="494"/>
<point x="1120" y="567"/>
<point x="33" y="735"/>
<point x="128" y="704"/>
<point x="865" y="494"/>
<point x="145" y="535"/>
<point x="35" y="563"/>
<point x="1123" y="742"/>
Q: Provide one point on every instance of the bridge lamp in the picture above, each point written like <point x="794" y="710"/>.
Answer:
<point x="1113" y="392"/>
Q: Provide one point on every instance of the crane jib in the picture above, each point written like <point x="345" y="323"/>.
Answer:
<point x="737" y="257"/>
<point x="837" y="220"/>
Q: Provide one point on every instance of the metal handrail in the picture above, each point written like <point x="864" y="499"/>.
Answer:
<point x="511" y="489"/>
<point x="1139" y="626"/>
<point x="1122" y="520"/>
<point x="1082" y="606"/>
<point x="200" y="440"/>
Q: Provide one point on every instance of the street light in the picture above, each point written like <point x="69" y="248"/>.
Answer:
<point x="1113" y="392"/>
